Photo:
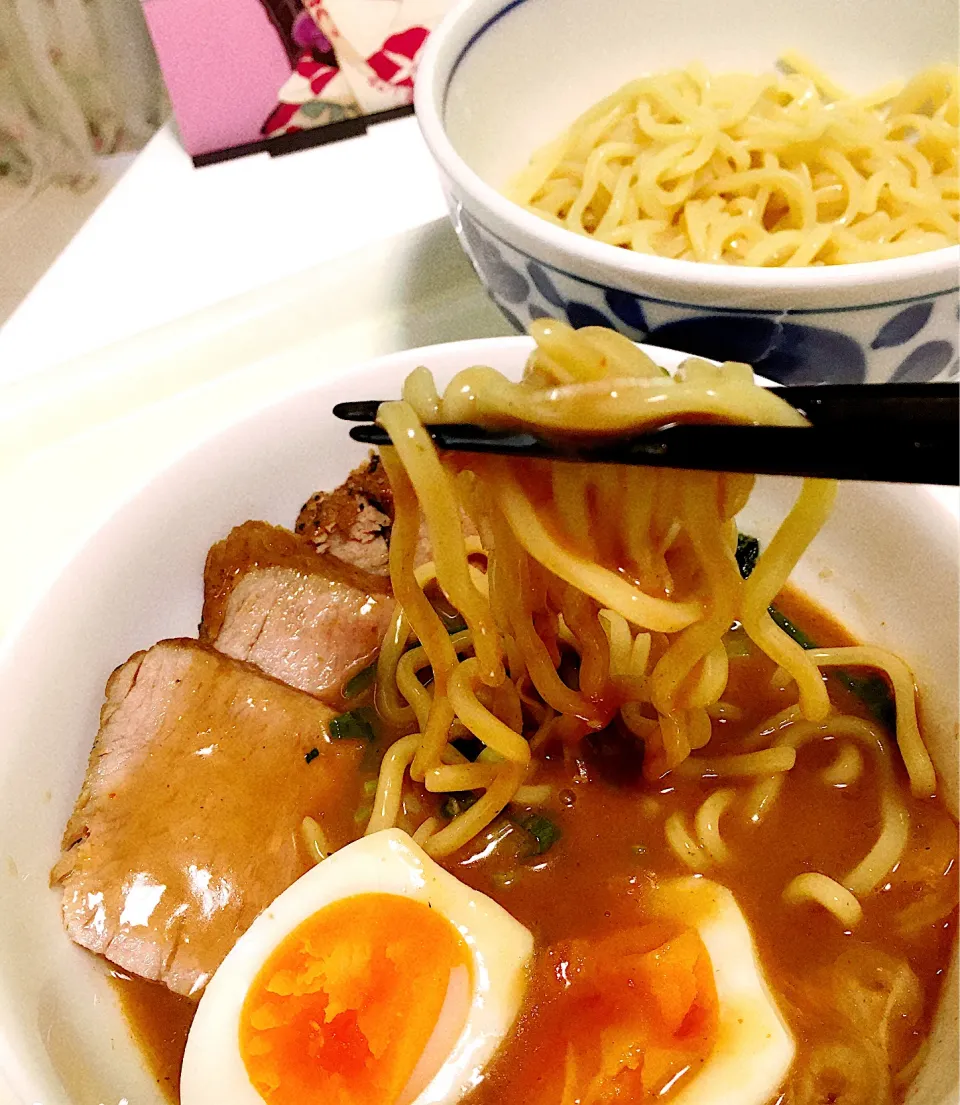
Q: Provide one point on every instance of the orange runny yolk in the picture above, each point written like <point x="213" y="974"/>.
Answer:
<point x="623" y="1018"/>
<point x="342" y="1010"/>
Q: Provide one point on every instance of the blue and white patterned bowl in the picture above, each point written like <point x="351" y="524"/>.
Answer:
<point x="501" y="77"/>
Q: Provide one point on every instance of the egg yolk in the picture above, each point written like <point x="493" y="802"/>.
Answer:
<point x="345" y="1006"/>
<point x="623" y="1018"/>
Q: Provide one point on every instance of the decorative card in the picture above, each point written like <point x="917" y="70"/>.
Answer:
<point x="249" y="75"/>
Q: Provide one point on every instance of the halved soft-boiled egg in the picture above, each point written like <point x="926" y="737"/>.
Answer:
<point x="752" y="1048"/>
<point x="672" y="1009"/>
<point x="376" y="979"/>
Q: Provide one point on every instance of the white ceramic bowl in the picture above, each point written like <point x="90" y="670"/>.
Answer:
<point x="885" y="564"/>
<point x="499" y="78"/>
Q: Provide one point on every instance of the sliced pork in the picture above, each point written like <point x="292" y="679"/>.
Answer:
<point x="188" y="822"/>
<point x="353" y="521"/>
<point x="304" y="617"/>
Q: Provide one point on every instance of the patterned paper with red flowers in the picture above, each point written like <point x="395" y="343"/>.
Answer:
<point x="240" y="71"/>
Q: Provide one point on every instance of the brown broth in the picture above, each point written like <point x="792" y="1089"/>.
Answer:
<point x="612" y="845"/>
<point x="160" y="1020"/>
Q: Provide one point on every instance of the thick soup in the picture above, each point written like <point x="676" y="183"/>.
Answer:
<point x="614" y="817"/>
<point x="590" y="883"/>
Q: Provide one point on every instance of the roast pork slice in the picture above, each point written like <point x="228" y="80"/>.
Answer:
<point x="188" y="823"/>
<point x="304" y="617"/>
<point x="353" y="521"/>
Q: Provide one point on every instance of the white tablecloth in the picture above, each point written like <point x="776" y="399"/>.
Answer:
<point x="170" y="239"/>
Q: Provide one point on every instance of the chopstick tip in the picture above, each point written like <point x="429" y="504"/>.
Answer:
<point x="370" y="435"/>
<point x="357" y="410"/>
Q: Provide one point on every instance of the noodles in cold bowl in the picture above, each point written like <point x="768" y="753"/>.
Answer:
<point x="779" y="169"/>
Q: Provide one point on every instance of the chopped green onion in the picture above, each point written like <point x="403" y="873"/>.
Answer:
<point x="544" y="832"/>
<point x="370" y="787"/>
<point x="455" y="804"/>
<point x="737" y="643"/>
<point x="360" y="682"/>
<point x="362" y="816"/>
<point x="502" y="879"/>
<point x="352" y="725"/>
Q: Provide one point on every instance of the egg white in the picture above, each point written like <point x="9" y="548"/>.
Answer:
<point x="387" y="862"/>
<point x="754" y="1049"/>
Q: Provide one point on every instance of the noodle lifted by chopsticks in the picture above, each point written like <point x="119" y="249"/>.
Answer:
<point x="630" y="570"/>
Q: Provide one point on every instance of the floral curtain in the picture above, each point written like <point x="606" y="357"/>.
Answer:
<point x="78" y="78"/>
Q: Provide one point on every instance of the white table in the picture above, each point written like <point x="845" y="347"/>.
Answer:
<point x="170" y="239"/>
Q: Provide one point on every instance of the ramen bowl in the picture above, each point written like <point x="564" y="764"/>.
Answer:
<point x="500" y="78"/>
<point x="63" y="1038"/>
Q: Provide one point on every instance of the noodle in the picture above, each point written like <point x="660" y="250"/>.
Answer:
<point x="389" y="703"/>
<point x="707" y="824"/>
<point x="923" y="780"/>
<point x="314" y="839"/>
<point x="588" y="611"/>
<point x="425" y="831"/>
<point x="686" y="849"/>
<point x="846" y="768"/>
<point x="894" y="820"/>
<point x="814" y="887"/>
<point x="772" y="570"/>
<point x="768" y="761"/>
<point x="782" y="169"/>
<point x="386" y="802"/>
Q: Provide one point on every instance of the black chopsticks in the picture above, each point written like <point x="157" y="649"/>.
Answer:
<point x="896" y="433"/>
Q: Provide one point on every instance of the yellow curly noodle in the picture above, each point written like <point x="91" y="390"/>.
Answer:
<point x="634" y="570"/>
<point x="779" y="169"/>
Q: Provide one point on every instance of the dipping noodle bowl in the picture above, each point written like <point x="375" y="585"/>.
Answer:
<point x="786" y="197"/>
<point x="521" y="783"/>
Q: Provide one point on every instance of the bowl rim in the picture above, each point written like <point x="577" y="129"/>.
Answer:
<point x="447" y="47"/>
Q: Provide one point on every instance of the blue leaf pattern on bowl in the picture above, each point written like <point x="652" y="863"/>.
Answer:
<point x="784" y="351"/>
<point x="627" y="308"/>
<point x="509" y="283"/>
<point x="789" y="352"/>
<point x="582" y="314"/>
<point x="904" y="325"/>
<point x="544" y="284"/>
<point x="924" y="363"/>
<point x="504" y="281"/>
<point x="479" y="248"/>
<point x="720" y="337"/>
